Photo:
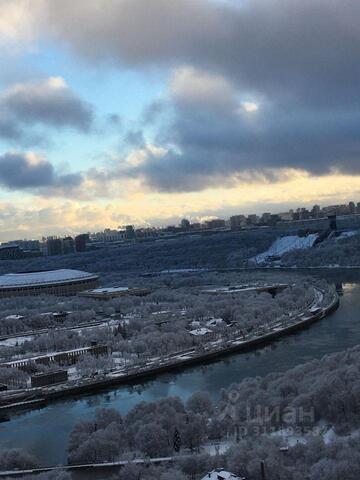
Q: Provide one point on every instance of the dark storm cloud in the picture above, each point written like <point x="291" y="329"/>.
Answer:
<point x="49" y="102"/>
<point x="273" y="46"/>
<point x="297" y="59"/>
<point x="222" y="147"/>
<point x="45" y="103"/>
<point x="20" y="171"/>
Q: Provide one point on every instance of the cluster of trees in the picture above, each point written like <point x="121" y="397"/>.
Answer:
<point x="323" y="392"/>
<point x="328" y="388"/>
<point x="34" y="313"/>
<point x="13" y="377"/>
<point x="151" y="429"/>
<point x="159" y="323"/>
<point x="56" y="341"/>
<point x="17" y="459"/>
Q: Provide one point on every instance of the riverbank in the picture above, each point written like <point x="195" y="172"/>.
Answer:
<point x="175" y="362"/>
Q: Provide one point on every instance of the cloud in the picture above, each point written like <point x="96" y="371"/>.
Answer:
<point x="134" y="138"/>
<point x="193" y="87"/>
<point x="27" y="171"/>
<point x="258" y="87"/>
<point x="9" y="130"/>
<point x="18" y="23"/>
<point x="279" y="48"/>
<point x="48" y="102"/>
<point x="267" y="45"/>
<point x="219" y="135"/>
<point x="154" y="111"/>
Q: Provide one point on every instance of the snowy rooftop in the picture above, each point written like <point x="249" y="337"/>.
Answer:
<point x="109" y="290"/>
<point x="114" y="291"/>
<point x="200" y="331"/>
<point x="43" y="278"/>
<point x="220" y="475"/>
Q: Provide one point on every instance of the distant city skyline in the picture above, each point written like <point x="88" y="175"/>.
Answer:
<point x="233" y="221"/>
<point x="146" y="111"/>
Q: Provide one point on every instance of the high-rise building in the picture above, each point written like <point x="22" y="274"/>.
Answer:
<point x="284" y="216"/>
<point x="237" y="221"/>
<point x="81" y="241"/>
<point x="54" y="246"/>
<point x="265" y="218"/>
<point x="185" y="224"/>
<point x="68" y="245"/>
<point x="252" y="219"/>
<point x="332" y="221"/>
<point x="315" y="211"/>
<point x="129" y="232"/>
<point x="215" y="223"/>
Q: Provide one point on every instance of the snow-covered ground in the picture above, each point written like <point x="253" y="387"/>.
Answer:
<point x="286" y="244"/>
<point x="14" y="341"/>
<point x="217" y="448"/>
<point x="327" y="432"/>
<point x="350" y="233"/>
<point x="183" y="270"/>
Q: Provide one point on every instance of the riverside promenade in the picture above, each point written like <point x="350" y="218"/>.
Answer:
<point x="34" y="398"/>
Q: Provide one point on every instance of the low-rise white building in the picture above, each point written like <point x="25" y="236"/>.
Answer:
<point x="50" y="282"/>
<point x="220" y="474"/>
<point x="107" y="293"/>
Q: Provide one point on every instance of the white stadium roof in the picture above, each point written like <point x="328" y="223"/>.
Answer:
<point x="30" y="279"/>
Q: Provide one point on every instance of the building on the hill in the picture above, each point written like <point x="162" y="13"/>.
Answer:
<point x="237" y="221"/>
<point x="11" y="252"/>
<point x="215" y="223"/>
<point x="68" y="245"/>
<point x="129" y="232"/>
<point x="54" y="246"/>
<point x="252" y="219"/>
<point x="81" y="241"/>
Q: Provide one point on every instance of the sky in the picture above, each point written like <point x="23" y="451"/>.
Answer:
<point x="147" y="111"/>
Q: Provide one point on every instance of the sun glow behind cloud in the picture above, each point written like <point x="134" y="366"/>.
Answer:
<point x="148" y="208"/>
<point x="250" y="106"/>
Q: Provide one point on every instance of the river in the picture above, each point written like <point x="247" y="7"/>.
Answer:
<point x="44" y="432"/>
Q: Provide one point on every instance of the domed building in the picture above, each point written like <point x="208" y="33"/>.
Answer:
<point x="49" y="282"/>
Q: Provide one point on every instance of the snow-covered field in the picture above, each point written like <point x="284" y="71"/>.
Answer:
<point x="286" y="244"/>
